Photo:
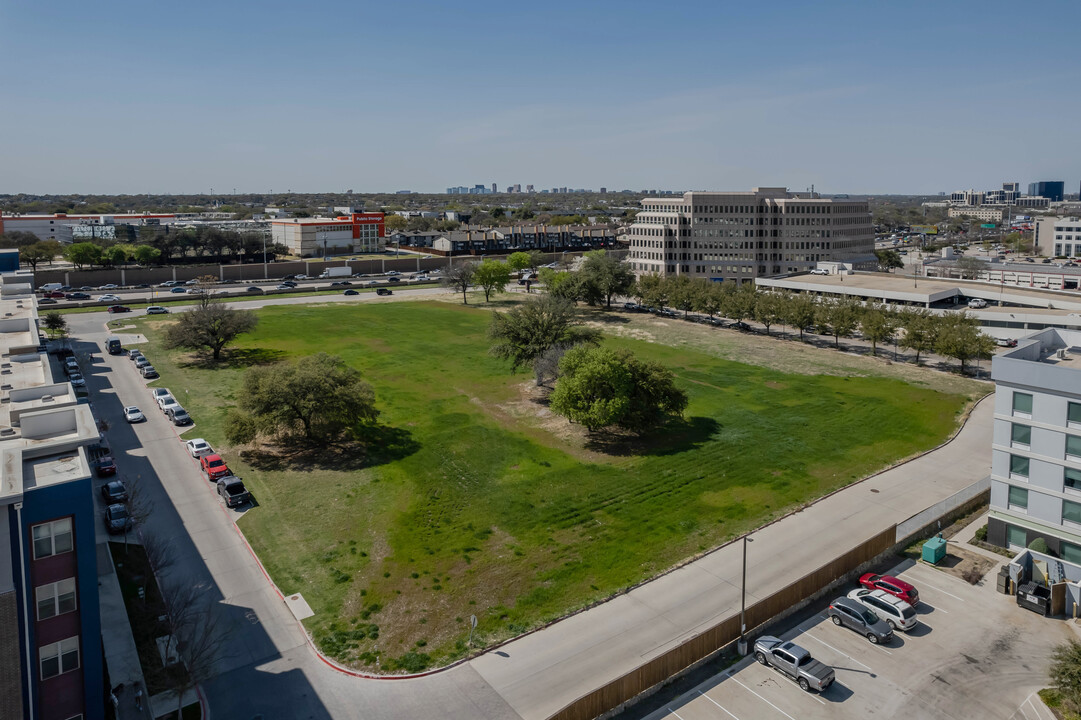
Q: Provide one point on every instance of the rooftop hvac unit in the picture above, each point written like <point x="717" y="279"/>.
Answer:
<point x="1061" y="354"/>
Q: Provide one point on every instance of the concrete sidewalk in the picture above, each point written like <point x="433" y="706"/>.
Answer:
<point x="542" y="673"/>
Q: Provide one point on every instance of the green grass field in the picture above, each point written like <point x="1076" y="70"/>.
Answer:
<point x="479" y="501"/>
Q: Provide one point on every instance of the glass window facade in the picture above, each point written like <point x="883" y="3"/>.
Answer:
<point x="1020" y="435"/>
<point x="1018" y="499"/>
<point x="1018" y="466"/>
<point x="1022" y="404"/>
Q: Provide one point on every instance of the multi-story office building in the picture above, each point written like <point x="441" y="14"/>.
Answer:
<point x="743" y="235"/>
<point x="315" y="237"/>
<point x="1053" y="190"/>
<point x="1058" y="237"/>
<point x="50" y="626"/>
<point x="1036" y="451"/>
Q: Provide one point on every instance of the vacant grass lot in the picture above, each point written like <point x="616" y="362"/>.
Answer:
<point x="479" y="501"/>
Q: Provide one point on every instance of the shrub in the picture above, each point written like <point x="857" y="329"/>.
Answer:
<point x="981" y="533"/>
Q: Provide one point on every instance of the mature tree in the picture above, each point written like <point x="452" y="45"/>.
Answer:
<point x="56" y="325"/>
<point x="888" y="259"/>
<point x="959" y="337"/>
<point x="600" y="387"/>
<point x="395" y="223"/>
<point x="519" y="261"/>
<point x="682" y="292"/>
<point x="546" y="365"/>
<point x="209" y="327"/>
<point x="878" y="324"/>
<point x="710" y="298"/>
<point x="317" y="399"/>
<point x="769" y="308"/>
<point x="145" y="254"/>
<point x="800" y="311"/>
<point x="116" y="255"/>
<point x="651" y="290"/>
<point x="492" y="276"/>
<point x="1065" y="673"/>
<point x="54" y="248"/>
<point x="562" y="284"/>
<point x="528" y="330"/>
<point x="739" y="303"/>
<point x="17" y="239"/>
<point x="840" y="316"/>
<point x="606" y="275"/>
<point x="82" y="254"/>
<point x="921" y="331"/>
<point x="34" y="254"/>
<point x="460" y="277"/>
<point x="536" y="259"/>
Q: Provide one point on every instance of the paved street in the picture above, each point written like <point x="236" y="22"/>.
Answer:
<point x="271" y="671"/>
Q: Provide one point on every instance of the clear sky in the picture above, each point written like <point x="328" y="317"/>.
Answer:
<point x="118" y="96"/>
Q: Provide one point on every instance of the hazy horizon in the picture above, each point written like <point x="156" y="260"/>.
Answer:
<point x="861" y="98"/>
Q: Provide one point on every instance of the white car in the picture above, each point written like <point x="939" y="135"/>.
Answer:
<point x="302" y="277"/>
<point x="164" y="400"/>
<point x="199" y="447"/>
<point x="391" y="273"/>
<point x="158" y="392"/>
<point x="109" y="298"/>
<point x="895" y="612"/>
<point x="133" y="414"/>
<point x="820" y="271"/>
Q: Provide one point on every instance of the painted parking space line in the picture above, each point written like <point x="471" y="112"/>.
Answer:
<point x="938" y="589"/>
<point x="722" y="707"/>
<point x="760" y="697"/>
<point x="839" y="652"/>
<point x="675" y="713"/>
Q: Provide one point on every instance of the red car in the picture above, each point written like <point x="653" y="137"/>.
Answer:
<point x="57" y="295"/>
<point x="891" y="586"/>
<point x="106" y="467"/>
<point x="118" y="309"/>
<point x="214" y="467"/>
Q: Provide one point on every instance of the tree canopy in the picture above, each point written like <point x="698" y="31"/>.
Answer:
<point x="606" y="275"/>
<point x="600" y="387"/>
<point x="492" y="276"/>
<point x="459" y="277"/>
<point x="316" y="399"/>
<point x="527" y="331"/>
<point x="210" y="326"/>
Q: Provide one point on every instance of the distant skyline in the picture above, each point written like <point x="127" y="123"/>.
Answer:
<point x="852" y="97"/>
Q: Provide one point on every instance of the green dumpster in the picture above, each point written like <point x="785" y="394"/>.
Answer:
<point x="934" y="550"/>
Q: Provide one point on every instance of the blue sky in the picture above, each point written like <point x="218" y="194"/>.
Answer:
<point x="920" y="97"/>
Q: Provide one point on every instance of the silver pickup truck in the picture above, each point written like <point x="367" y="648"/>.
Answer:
<point x="793" y="661"/>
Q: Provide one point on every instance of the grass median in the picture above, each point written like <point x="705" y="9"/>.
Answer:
<point x="479" y="501"/>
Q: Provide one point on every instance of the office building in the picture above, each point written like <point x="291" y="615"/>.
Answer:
<point x="50" y="626"/>
<point x="1053" y="190"/>
<point x="1036" y="450"/>
<point x="986" y="214"/>
<point x="58" y="226"/>
<point x="743" y="235"/>
<point x="318" y="237"/>
<point x="495" y="188"/>
<point x="1057" y="237"/>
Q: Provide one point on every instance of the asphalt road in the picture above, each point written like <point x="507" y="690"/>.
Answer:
<point x="271" y="671"/>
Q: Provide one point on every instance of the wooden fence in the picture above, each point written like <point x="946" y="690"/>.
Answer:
<point x="662" y="667"/>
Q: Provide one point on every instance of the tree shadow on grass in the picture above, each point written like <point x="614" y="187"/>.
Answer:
<point x="675" y="437"/>
<point x="378" y="445"/>
<point x="607" y="317"/>
<point x="234" y="359"/>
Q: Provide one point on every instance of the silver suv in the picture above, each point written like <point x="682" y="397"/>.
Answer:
<point x="898" y="614"/>
<point x="848" y="612"/>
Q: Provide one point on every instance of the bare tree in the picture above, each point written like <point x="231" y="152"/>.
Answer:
<point x="139" y="505"/>
<point x="196" y="634"/>
<point x="460" y="277"/>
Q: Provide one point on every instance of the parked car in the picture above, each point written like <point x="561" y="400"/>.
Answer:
<point x="133" y="414"/>
<point x="117" y="519"/>
<point x="820" y="271"/>
<point x="633" y="307"/>
<point x="384" y="291"/>
<point x="134" y="355"/>
<point x="198" y="447"/>
<point x="158" y="392"/>
<point x="149" y="373"/>
<point x="741" y="326"/>
<point x="851" y="614"/>
<point x="977" y="303"/>
<point x="76" y="380"/>
<point x="181" y="418"/>
<point x="214" y="466"/>
<point x="167" y="405"/>
<point x="891" y="586"/>
<point x="141" y="362"/>
<point x="109" y="298"/>
<point x="71" y="365"/>
<point x="1006" y="342"/>
<point x="104" y="466"/>
<point x="790" y="659"/>
<point x="118" y="309"/>
<point x="232" y="491"/>
<point x="114" y="492"/>
<point x="898" y="614"/>
<point x="157" y="310"/>
<point x="350" y="292"/>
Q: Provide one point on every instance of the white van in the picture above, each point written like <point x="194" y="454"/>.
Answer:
<point x="50" y="287"/>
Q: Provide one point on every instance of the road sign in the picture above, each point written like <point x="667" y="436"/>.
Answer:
<point x="989" y="226"/>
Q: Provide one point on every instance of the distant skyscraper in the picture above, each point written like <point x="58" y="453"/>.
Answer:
<point x="604" y="190"/>
<point x="1050" y="189"/>
<point x="529" y="188"/>
<point x="495" y="188"/>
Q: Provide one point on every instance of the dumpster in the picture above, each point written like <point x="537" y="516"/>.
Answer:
<point x="934" y="550"/>
<point x="1034" y="597"/>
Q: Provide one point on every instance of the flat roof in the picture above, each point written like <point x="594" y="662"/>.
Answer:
<point x="55" y="469"/>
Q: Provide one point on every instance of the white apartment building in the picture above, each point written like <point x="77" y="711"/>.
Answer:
<point x="1036" y="451"/>
<point x="1058" y="237"/>
<point x="743" y="235"/>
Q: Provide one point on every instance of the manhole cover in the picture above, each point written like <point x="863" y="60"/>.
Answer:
<point x="874" y="490"/>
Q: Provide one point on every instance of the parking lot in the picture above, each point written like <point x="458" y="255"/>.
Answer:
<point x="974" y="654"/>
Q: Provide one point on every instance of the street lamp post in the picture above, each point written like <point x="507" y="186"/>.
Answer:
<point x="742" y="646"/>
